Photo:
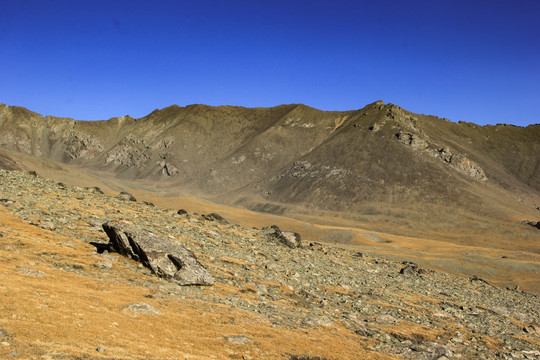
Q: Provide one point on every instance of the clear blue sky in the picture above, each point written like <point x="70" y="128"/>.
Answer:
<point x="471" y="60"/>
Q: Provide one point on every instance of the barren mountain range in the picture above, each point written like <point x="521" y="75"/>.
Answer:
<point x="349" y="177"/>
<point x="398" y="236"/>
<point x="292" y="155"/>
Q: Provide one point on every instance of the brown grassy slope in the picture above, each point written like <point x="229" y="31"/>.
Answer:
<point x="269" y="300"/>
<point x="57" y="303"/>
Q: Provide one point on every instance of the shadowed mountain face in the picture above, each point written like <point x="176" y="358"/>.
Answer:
<point x="296" y="158"/>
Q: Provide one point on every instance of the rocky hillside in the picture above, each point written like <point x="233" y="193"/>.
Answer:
<point x="292" y="157"/>
<point x="67" y="294"/>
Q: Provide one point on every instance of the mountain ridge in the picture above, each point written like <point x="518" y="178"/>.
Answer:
<point x="296" y="157"/>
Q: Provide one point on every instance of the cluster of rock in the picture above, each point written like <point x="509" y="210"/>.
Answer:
<point x="458" y="161"/>
<point x="288" y="238"/>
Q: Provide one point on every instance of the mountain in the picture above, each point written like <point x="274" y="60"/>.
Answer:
<point x="404" y="184"/>
<point x="276" y="159"/>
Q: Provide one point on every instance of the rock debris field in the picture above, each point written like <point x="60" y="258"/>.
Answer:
<point x="67" y="294"/>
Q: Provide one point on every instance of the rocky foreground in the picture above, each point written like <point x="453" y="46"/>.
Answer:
<point x="65" y="295"/>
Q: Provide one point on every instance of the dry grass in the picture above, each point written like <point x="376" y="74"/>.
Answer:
<point x="57" y="304"/>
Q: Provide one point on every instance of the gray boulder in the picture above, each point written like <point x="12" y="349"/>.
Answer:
<point x="166" y="259"/>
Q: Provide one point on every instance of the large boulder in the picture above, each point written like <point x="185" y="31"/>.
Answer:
<point x="165" y="258"/>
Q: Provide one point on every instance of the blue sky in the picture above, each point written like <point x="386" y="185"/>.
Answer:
<point x="471" y="60"/>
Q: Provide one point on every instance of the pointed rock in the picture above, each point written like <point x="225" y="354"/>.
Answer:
<point x="165" y="258"/>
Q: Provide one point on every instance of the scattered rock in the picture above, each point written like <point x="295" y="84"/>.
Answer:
<point x="215" y="217"/>
<point x="104" y="265"/>
<point x="142" y="308"/>
<point x="530" y="329"/>
<point x="33" y="273"/>
<point x="476" y="278"/>
<point x="48" y="225"/>
<point x="167" y="259"/>
<point x="412" y="140"/>
<point x="126" y="196"/>
<point x="291" y="239"/>
<point x="410" y="268"/>
<point x="95" y="190"/>
<point x="148" y="203"/>
<point x="237" y="339"/>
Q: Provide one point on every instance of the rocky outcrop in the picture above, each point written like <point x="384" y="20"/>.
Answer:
<point x="412" y="140"/>
<point x="462" y="163"/>
<point x="215" y="217"/>
<point x="274" y="233"/>
<point x="126" y="196"/>
<point x="458" y="161"/>
<point x="166" y="259"/>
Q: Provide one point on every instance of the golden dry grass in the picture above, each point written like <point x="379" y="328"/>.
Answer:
<point x="51" y="311"/>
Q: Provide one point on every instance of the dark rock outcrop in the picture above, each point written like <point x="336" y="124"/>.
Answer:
<point x="126" y="196"/>
<point x="215" y="217"/>
<point x="166" y="259"/>
<point x="291" y="239"/>
<point x="535" y="224"/>
<point x="410" y="268"/>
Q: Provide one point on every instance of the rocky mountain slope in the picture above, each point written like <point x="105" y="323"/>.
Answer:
<point x="64" y="298"/>
<point x="455" y="197"/>
<point x="294" y="157"/>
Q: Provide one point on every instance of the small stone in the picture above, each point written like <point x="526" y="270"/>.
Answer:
<point x="237" y="339"/>
<point x="100" y="349"/>
<point x="5" y="343"/>
<point x="104" y="265"/>
<point x="182" y="212"/>
<point x="48" y="226"/>
<point x="143" y="308"/>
